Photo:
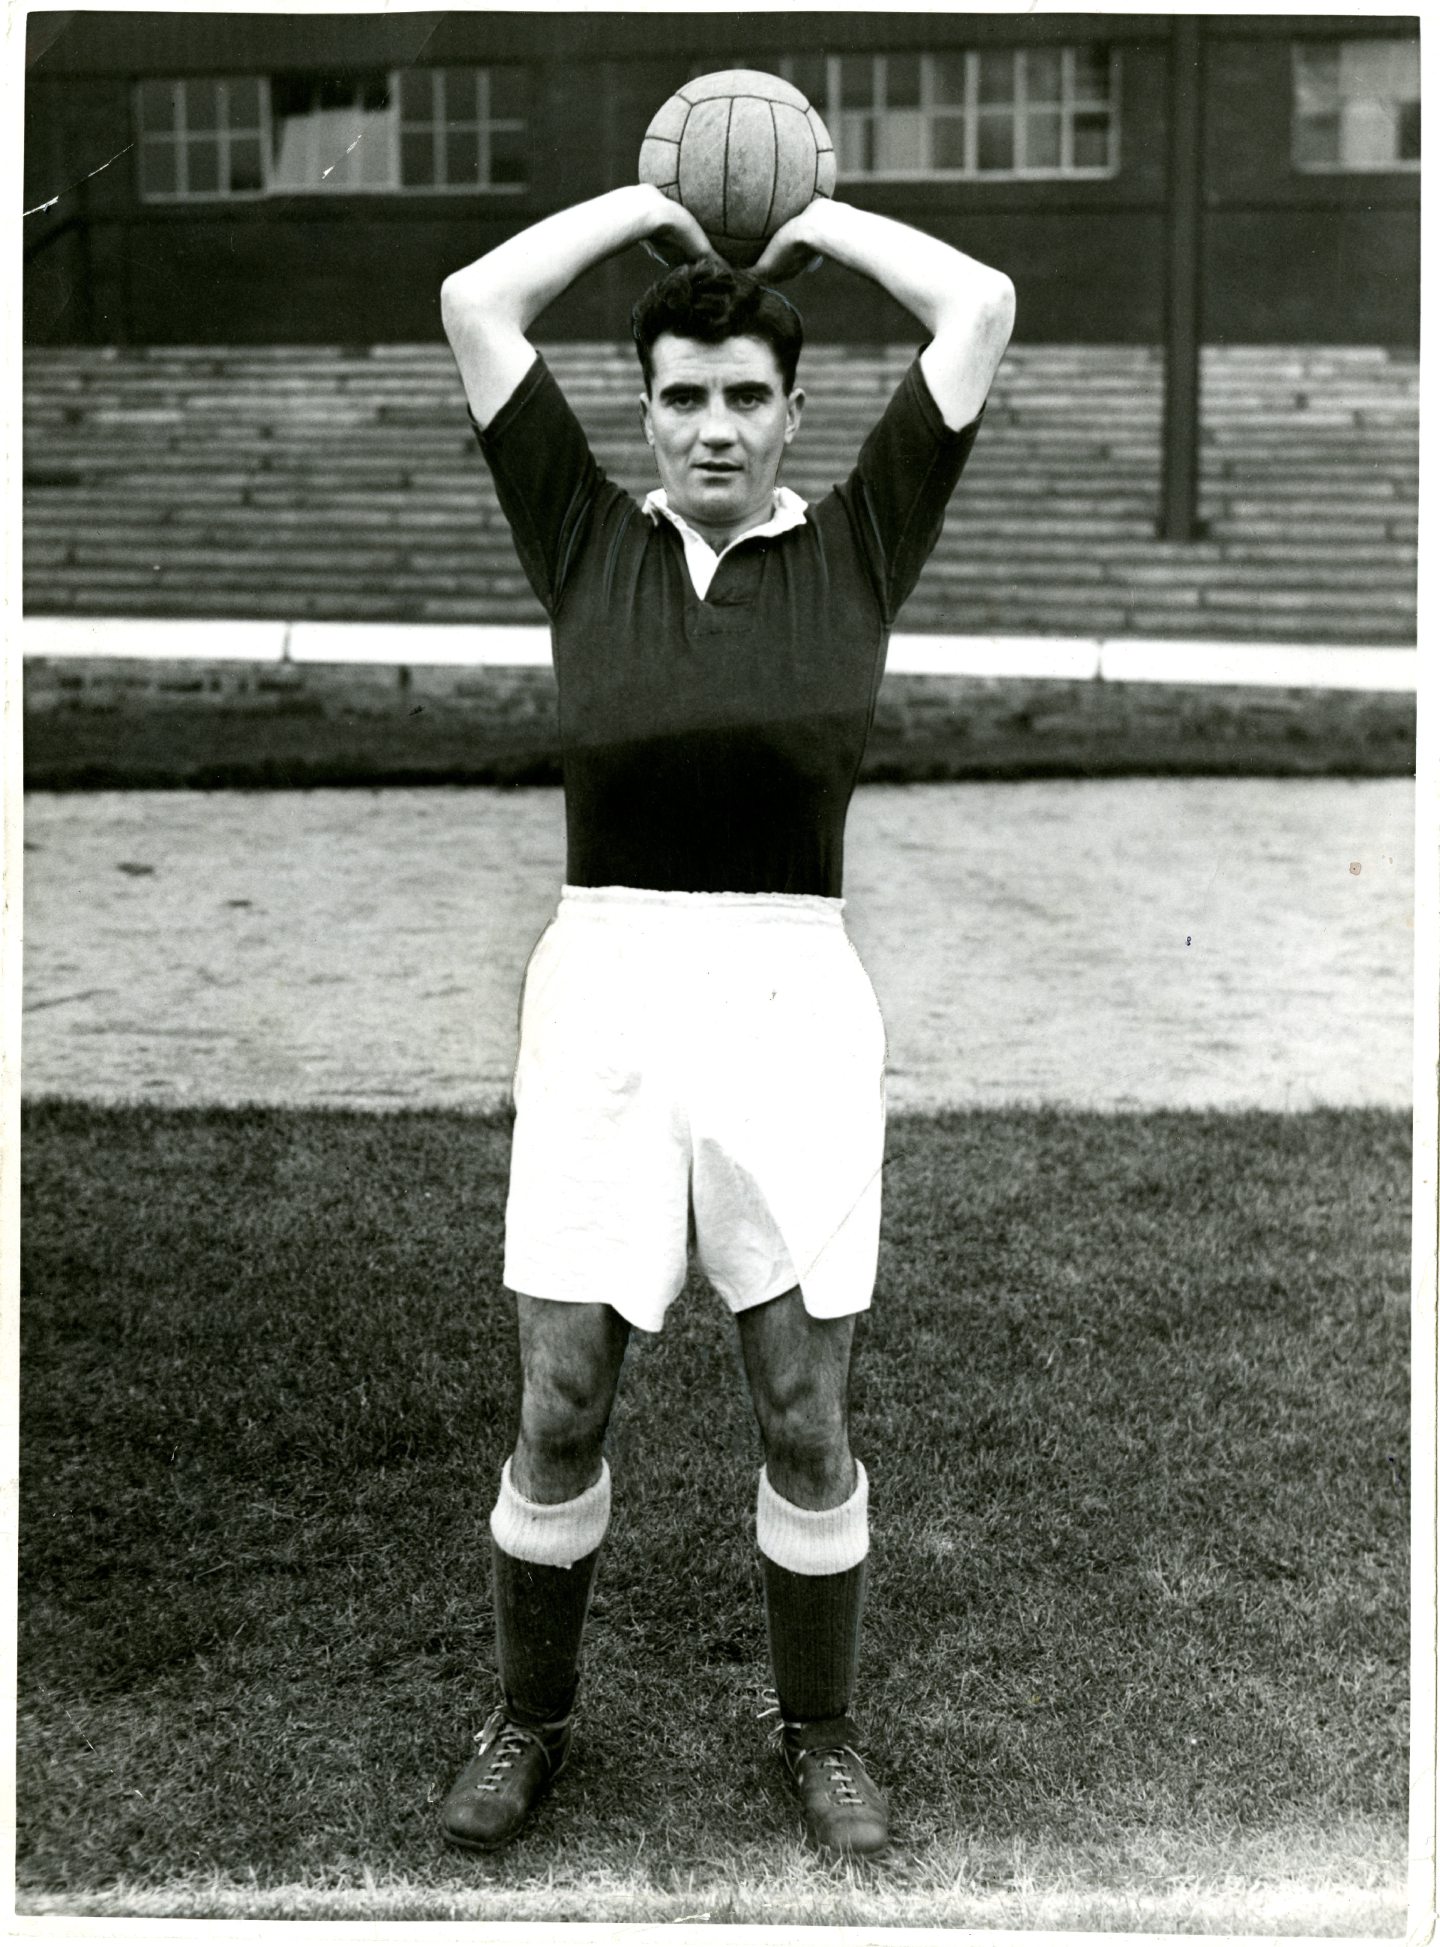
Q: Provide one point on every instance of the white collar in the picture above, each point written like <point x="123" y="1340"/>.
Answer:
<point x="700" y="558"/>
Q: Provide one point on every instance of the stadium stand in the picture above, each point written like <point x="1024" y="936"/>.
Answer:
<point x="343" y="484"/>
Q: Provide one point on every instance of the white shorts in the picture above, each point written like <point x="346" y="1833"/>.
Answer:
<point x="715" y="1056"/>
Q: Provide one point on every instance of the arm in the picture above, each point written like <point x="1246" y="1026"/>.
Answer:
<point x="967" y="308"/>
<point x="488" y="307"/>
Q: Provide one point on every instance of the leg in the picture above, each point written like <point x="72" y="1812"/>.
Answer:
<point x="813" y="1534"/>
<point x="811" y="1523"/>
<point x="546" y="1530"/>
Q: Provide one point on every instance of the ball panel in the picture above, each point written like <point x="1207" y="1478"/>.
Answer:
<point x="703" y="161"/>
<point x="659" y="162"/>
<point x="818" y="128"/>
<point x="750" y="175"/>
<point x="794" y="165"/>
<point x="743" y="81"/>
<point x="825" y="173"/>
<point x="669" y="123"/>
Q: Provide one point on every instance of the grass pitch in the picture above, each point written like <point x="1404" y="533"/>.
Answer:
<point x="1133" y="1401"/>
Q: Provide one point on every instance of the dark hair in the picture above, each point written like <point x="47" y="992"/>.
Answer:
<point x="712" y="301"/>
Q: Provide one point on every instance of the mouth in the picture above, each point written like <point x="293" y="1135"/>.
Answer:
<point x="717" y="467"/>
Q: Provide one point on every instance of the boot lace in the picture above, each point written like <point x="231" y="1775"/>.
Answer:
<point x="841" y="1781"/>
<point x="505" y="1742"/>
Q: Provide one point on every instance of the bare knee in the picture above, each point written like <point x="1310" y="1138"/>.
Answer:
<point x="570" y="1360"/>
<point x="564" y="1413"/>
<point x="807" y="1445"/>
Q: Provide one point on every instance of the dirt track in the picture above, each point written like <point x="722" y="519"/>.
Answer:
<point x="1135" y="942"/>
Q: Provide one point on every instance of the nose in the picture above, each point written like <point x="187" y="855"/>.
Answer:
<point x="717" y="428"/>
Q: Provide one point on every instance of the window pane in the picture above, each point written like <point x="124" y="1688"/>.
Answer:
<point x="157" y="169"/>
<point x="202" y="104"/>
<point x="857" y="81"/>
<point x="997" y="76"/>
<point x="458" y="95"/>
<point x="371" y="157"/>
<point x="417" y="160"/>
<point x="1092" y="74"/>
<point x="159" y="105"/>
<point x="996" y="145"/>
<point x="1317" y="141"/>
<point x="245" y="164"/>
<point x="1369" y="68"/>
<point x="1042" y="141"/>
<point x="947" y="142"/>
<point x="855" y="153"/>
<point x="416" y="95"/>
<point x="1091" y="141"/>
<point x="900" y="140"/>
<point x="1369" y="135"/>
<point x="203" y="163"/>
<point x="947" y="79"/>
<point x="1043" y="68"/>
<point x="462" y="156"/>
<point x="509" y="91"/>
<point x="507" y="156"/>
<point x="1410" y="131"/>
<point x="242" y="102"/>
<point x="902" y="81"/>
<point x="807" y="71"/>
<point x="1317" y="77"/>
<point x="319" y="122"/>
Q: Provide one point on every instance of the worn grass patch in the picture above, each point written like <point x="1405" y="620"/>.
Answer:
<point x="1133" y="1400"/>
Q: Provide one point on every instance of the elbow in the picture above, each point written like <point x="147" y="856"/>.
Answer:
<point x="468" y="297"/>
<point x="452" y="302"/>
<point x="998" y="306"/>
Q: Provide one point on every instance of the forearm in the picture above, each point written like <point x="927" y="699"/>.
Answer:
<point x="933" y="280"/>
<point x="967" y="307"/>
<point x="512" y="284"/>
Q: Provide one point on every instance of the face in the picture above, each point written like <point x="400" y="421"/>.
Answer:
<point x="719" y="419"/>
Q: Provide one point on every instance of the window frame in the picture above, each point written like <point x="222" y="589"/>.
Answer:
<point x="1301" y="45"/>
<point x="181" y="136"/>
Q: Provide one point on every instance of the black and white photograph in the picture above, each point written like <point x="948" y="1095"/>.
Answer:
<point x="721" y="1162"/>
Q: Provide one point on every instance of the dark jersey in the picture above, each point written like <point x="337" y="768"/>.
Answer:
<point x="713" y="746"/>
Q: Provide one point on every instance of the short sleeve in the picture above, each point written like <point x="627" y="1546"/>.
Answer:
<point x="546" y="477"/>
<point x="901" y="485"/>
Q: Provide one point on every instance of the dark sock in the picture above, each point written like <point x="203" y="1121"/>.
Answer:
<point x="814" y="1627"/>
<point x="540" y="1616"/>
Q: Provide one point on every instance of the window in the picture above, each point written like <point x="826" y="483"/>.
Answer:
<point x="462" y="128"/>
<point x="201" y="138"/>
<point x="1037" y="112"/>
<point x="1357" y="104"/>
<point x="426" y="130"/>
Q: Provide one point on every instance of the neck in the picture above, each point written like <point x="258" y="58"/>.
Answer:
<point x="721" y="537"/>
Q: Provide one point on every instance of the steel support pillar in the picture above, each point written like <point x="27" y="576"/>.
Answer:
<point x="1179" y="507"/>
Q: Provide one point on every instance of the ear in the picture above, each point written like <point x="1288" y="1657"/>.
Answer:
<point x="645" y="426"/>
<point x="794" y="406"/>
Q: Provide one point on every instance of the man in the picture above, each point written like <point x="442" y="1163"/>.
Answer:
<point x="699" y="1043"/>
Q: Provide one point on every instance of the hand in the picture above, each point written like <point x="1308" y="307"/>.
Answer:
<point x="676" y="237"/>
<point x="789" y="252"/>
